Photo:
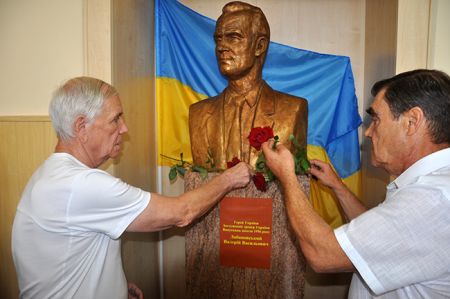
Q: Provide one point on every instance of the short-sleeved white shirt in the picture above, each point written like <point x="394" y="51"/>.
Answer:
<point x="401" y="248"/>
<point x="65" y="233"/>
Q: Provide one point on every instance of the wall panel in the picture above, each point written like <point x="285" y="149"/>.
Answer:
<point x="133" y="76"/>
<point x="26" y="143"/>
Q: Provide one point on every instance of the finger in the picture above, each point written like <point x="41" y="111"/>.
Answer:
<point x="317" y="162"/>
<point x="265" y="146"/>
<point x="269" y="143"/>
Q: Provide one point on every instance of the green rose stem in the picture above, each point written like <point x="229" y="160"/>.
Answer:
<point x="182" y="166"/>
<point x="302" y="164"/>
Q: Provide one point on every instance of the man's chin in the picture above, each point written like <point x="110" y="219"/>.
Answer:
<point x="374" y="162"/>
<point x="116" y="153"/>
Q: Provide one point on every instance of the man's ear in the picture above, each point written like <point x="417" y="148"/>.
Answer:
<point x="79" y="128"/>
<point x="415" y="119"/>
<point x="261" y="46"/>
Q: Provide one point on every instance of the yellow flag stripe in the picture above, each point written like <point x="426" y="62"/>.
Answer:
<point x="323" y="200"/>
<point x="173" y="101"/>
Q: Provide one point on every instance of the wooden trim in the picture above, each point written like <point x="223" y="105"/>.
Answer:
<point x="25" y="118"/>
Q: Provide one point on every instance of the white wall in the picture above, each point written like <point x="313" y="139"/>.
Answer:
<point x="41" y="46"/>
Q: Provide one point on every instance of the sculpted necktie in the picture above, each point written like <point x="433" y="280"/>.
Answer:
<point x="234" y="148"/>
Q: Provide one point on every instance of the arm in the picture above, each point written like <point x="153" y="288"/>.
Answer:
<point x="316" y="237"/>
<point x="134" y="292"/>
<point x="349" y="202"/>
<point x="163" y="212"/>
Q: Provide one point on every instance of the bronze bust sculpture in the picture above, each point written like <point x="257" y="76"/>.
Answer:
<point x="219" y="126"/>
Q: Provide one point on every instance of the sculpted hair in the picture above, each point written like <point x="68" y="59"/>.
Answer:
<point x="260" y="26"/>
<point x="426" y="89"/>
<point x="82" y="96"/>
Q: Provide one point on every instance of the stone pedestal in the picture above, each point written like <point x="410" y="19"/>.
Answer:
<point x="207" y="279"/>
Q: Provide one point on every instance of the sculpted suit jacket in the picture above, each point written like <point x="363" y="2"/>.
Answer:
<point x="285" y="114"/>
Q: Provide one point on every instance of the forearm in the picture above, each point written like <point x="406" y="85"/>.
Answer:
<point x="316" y="237"/>
<point x="350" y="204"/>
<point x="202" y="199"/>
<point x="164" y="212"/>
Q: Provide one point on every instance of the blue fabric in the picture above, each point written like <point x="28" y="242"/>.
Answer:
<point x="185" y="51"/>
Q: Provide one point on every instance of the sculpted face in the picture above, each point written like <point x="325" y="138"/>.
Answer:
<point x="235" y="44"/>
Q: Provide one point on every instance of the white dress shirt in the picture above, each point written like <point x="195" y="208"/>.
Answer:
<point x="401" y="248"/>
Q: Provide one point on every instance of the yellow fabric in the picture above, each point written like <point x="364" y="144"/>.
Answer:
<point x="173" y="101"/>
<point x="322" y="199"/>
<point x="172" y="106"/>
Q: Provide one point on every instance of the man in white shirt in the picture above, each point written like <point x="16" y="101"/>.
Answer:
<point x="399" y="249"/>
<point x="67" y="228"/>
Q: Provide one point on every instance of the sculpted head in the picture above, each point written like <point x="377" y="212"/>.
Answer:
<point x="242" y="38"/>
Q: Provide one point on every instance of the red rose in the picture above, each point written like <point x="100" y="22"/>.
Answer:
<point x="233" y="162"/>
<point x="259" y="135"/>
<point x="260" y="181"/>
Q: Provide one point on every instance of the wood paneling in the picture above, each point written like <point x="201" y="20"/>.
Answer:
<point x="26" y="143"/>
<point x="380" y="59"/>
<point x="133" y="76"/>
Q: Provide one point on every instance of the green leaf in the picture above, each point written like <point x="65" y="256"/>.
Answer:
<point x="305" y="165"/>
<point x="298" y="169"/>
<point x="260" y="164"/>
<point x="181" y="170"/>
<point x="270" y="177"/>
<point x="291" y="138"/>
<point x="173" y="173"/>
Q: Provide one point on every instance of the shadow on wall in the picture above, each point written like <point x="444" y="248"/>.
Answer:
<point x="326" y="286"/>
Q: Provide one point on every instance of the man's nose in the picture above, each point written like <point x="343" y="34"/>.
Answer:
<point x="368" y="131"/>
<point x="123" y="128"/>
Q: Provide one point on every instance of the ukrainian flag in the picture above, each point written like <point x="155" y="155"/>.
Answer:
<point x="187" y="72"/>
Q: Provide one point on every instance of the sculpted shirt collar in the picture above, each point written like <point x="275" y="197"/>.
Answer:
<point x="252" y="93"/>
<point x="424" y="166"/>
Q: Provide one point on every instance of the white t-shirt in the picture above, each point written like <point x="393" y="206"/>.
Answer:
<point x="401" y="248"/>
<point x="65" y="234"/>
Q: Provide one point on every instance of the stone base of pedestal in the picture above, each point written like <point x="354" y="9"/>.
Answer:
<point x="207" y="279"/>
